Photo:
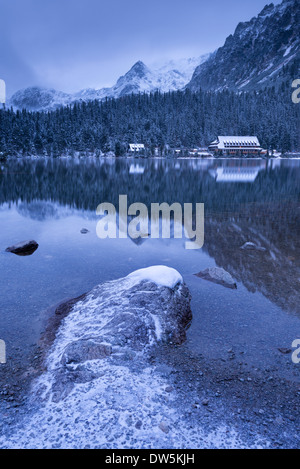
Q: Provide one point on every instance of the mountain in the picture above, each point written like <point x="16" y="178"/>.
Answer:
<point x="36" y="98"/>
<point x="264" y="51"/>
<point x="170" y="76"/>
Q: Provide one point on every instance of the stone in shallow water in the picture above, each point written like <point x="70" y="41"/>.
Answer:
<point x="249" y="246"/>
<point x="219" y="276"/>
<point x="24" y="248"/>
<point x="285" y="351"/>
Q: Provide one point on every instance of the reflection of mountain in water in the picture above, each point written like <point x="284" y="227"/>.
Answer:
<point x="264" y="211"/>
<point x="84" y="184"/>
<point x="41" y="210"/>
<point x="275" y="272"/>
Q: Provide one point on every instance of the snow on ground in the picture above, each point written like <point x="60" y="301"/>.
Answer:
<point x="124" y="410"/>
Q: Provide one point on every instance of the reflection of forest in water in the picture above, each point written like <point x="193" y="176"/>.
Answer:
<point x="245" y="200"/>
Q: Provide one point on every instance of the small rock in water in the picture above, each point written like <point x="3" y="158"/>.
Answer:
<point x="169" y="389"/>
<point x="164" y="427"/>
<point x="285" y="351"/>
<point x="84" y="231"/>
<point x="24" y="248"/>
<point x="249" y="246"/>
<point x="218" y="275"/>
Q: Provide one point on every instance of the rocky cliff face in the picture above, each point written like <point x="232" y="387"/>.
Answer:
<point x="262" y="52"/>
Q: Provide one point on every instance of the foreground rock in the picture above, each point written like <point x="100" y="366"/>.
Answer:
<point x="119" y="321"/>
<point x="114" y="378"/>
<point x="24" y="248"/>
<point x="219" y="276"/>
<point x="99" y="387"/>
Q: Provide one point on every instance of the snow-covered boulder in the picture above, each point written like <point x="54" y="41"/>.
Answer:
<point x="98" y="370"/>
<point x="117" y="320"/>
<point x="106" y="385"/>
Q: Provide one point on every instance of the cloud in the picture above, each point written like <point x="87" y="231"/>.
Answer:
<point x="72" y="44"/>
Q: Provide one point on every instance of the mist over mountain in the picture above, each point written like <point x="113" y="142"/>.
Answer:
<point x="169" y="76"/>
<point x="262" y="52"/>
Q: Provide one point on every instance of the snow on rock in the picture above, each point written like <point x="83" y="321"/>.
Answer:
<point x="159" y="274"/>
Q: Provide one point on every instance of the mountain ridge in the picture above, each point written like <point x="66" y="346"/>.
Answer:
<point x="170" y="76"/>
<point x="260" y="53"/>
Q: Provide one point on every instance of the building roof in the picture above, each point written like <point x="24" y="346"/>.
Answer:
<point x="224" y="142"/>
<point x="136" y="146"/>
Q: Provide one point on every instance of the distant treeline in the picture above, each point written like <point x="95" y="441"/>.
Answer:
<point x="178" y="119"/>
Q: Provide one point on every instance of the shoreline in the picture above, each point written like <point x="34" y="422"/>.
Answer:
<point x="145" y="158"/>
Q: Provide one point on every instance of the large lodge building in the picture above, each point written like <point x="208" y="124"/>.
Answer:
<point x="236" y="146"/>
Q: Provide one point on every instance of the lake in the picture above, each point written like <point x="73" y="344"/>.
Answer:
<point x="52" y="200"/>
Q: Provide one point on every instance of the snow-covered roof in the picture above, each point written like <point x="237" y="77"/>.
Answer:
<point x="136" y="146"/>
<point x="236" y="141"/>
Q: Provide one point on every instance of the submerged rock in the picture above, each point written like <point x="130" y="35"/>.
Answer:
<point x="84" y="231"/>
<point x="24" y="248"/>
<point x="218" y="275"/>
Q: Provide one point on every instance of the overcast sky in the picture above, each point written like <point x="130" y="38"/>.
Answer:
<point x="75" y="44"/>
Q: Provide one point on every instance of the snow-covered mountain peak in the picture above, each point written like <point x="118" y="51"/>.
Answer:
<point x="169" y="76"/>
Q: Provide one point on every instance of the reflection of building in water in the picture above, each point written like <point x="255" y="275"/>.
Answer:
<point x="235" y="146"/>
<point x="200" y="164"/>
<point x="246" y="173"/>
<point x="136" y="169"/>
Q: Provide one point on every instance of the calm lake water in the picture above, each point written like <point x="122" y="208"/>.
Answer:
<point x="259" y="201"/>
